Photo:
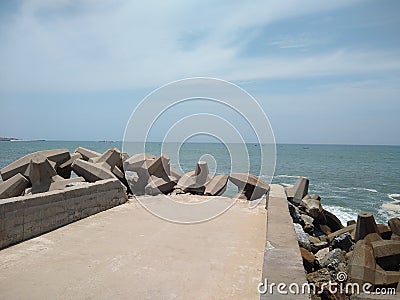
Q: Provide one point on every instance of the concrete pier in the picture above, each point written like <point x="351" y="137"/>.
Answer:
<point x="128" y="253"/>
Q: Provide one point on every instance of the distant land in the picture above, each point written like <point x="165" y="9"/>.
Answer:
<point x="7" y="139"/>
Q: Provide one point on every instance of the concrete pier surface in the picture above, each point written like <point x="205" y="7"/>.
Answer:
<point x="128" y="253"/>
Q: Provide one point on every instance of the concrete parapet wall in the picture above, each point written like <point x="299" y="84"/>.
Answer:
<point x="24" y="217"/>
<point x="282" y="259"/>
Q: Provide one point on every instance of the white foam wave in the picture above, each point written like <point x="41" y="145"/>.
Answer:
<point x="286" y="176"/>
<point x="344" y="214"/>
<point x="394" y="196"/>
<point x="357" y="189"/>
<point x="286" y="184"/>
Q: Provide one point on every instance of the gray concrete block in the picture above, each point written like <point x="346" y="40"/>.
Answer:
<point x="14" y="186"/>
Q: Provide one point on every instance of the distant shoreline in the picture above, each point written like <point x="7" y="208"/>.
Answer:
<point x="4" y="139"/>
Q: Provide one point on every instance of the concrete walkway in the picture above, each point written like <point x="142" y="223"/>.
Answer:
<point x="127" y="253"/>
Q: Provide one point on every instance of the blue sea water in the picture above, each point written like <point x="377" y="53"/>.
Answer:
<point x="348" y="178"/>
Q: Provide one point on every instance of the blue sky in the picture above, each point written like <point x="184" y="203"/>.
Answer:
<point x="323" y="71"/>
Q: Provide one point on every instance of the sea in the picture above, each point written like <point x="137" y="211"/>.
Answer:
<point x="349" y="178"/>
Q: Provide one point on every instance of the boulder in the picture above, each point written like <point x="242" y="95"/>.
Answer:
<point x="90" y="171"/>
<point x="55" y="157"/>
<point x="333" y="258"/>
<point x="216" y="186"/>
<point x="157" y="185"/>
<point x="343" y="242"/>
<point x="302" y="237"/>
<point x="319" y="277"/>
<point x="325" y="229"/>
<point x="315" y="197"/>
<point x="86" y="153"/>
<point x="250" y="185"/>
<point x="362" y="264"/>
<point x="14" y="186"/>
<point x="387" y="254"/>
<point x="331" y="220"/>
<point x="320" y="255"/>
<point x="300" y="189"/>
<point x="313" y="207"/>
<point x="308" y="223"/>
<point x="337" y="233"/>
<point x="319" y="246"/>
<point x="365" y="225"/>
<point x="308" y="260"/>
<point x="394" y="225"/>
<point x="295" y="214"/>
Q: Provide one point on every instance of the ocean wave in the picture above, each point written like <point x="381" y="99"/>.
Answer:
<point x="344" y="214"/>
<point x="356" y="188"/>
<point x="286" y="184"/>
<point x="286" y="176"/>
<point x="394" y="196"/>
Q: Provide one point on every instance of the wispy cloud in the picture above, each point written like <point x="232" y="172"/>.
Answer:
<point x="95" y="45"/>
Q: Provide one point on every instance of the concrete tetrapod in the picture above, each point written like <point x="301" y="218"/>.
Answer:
<point x="56" y="158"/>
<point x="216" y="186"/>
<point x="86" y="153"/>
<point x="249" y="185"/>
<point x="90" y="171"/>
<point x="13" y="187"/>
<point x="365" y="225"/>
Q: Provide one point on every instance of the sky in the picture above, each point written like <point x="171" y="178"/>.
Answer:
<point x="322" y="71"/>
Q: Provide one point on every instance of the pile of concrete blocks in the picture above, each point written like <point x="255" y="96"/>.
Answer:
<point x="37" y="172"/>
<point x="375" y="260"/>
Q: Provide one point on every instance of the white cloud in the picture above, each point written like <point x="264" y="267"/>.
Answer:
<point x="92" y="45"/>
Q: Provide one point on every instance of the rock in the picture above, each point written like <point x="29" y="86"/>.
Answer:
<point x="394" y="225"/>
<point x="333" y="258"/>
<point x="365" y="225"/>
<point x="319" y="277"/>
<point x="325" y="229"/>
<point x="387" y="254"/>
<point x="216" y="186"/>
<point x="362" y="264"/>
<point x="302" y="237"/>
<point x="157" y="185"/>
<point x="55" y="157"/>
<point x="320" y="255"/>
<point x="86" y="153"/>
<point x="331" y="220"/>
<point x="318" y="246"/>
<point x="14" y="186"/>
<point x="384" y="231"/>
<point x="313" y="207"/>
<point x="90" y="171"/>
<point x="337" y="233"/>
<point x="313" y="239"/>
<point x="308" y="260"/>
<point x="351" y="222"/>
<point x="343" y="242"/>
<point x="64" y="170"/>
<point x="300" y="189"/>
<point x="252" y="186"/>
<point x="308" y="223"/>
<point x="294" y="213"/>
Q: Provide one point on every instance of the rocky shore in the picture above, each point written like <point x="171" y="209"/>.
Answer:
<point x="362" y="252"/>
